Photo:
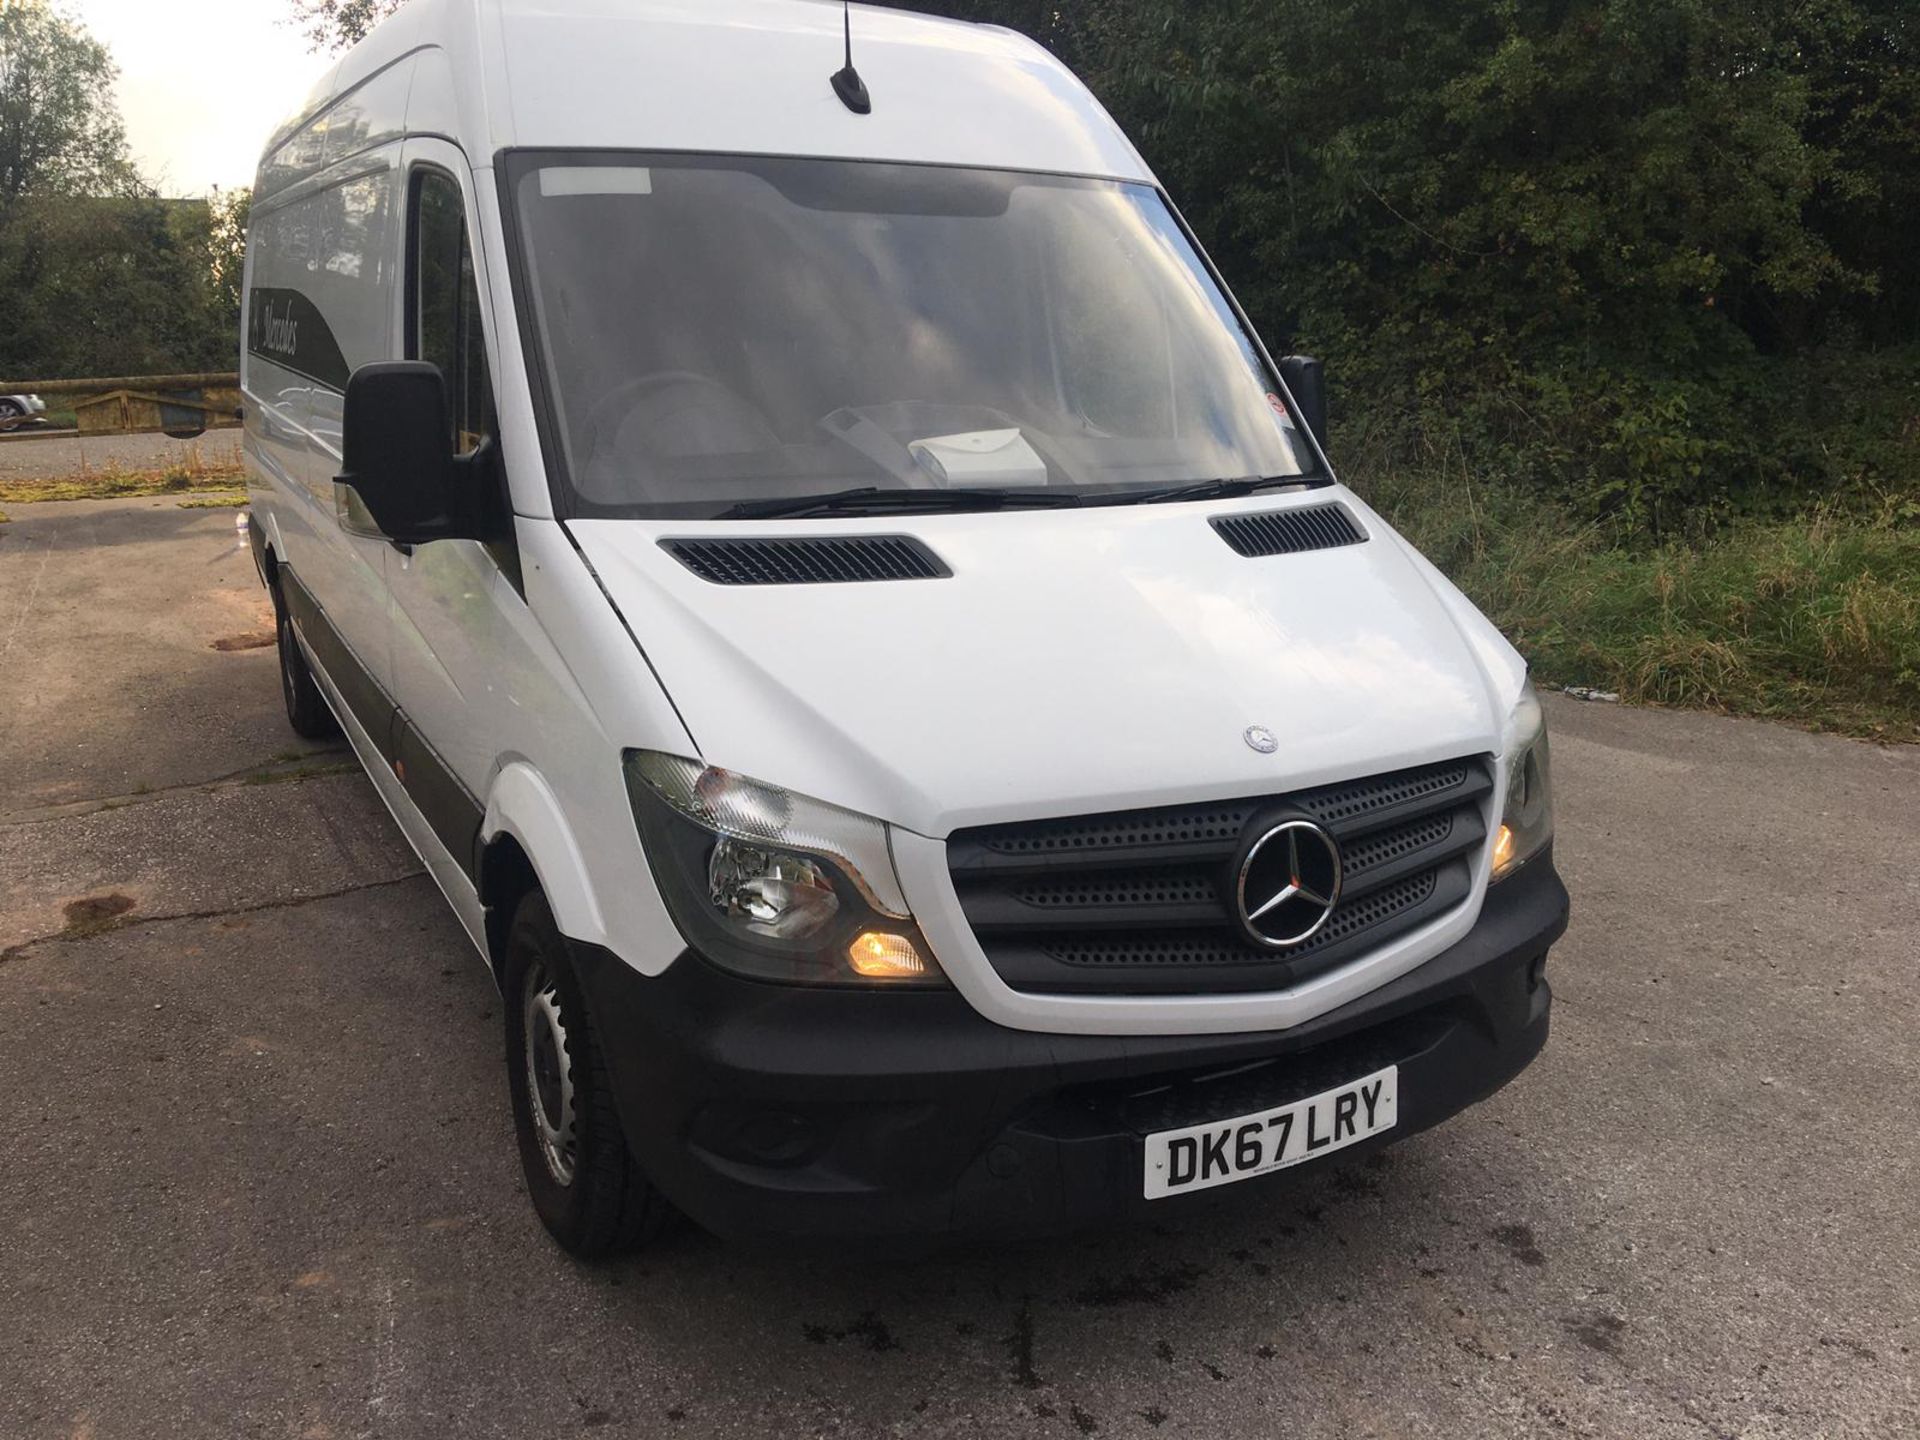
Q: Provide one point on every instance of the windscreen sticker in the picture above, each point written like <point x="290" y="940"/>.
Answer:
<point x="595" y="180"/>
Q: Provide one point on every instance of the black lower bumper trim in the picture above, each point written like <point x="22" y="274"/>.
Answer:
<point x="787" y="1111"/>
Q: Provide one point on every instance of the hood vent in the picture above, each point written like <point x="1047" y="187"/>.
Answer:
<point x="835" y="561"/>
<point x="1288" y="532"/>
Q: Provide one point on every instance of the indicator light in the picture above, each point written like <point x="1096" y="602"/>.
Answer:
<point x="881" y="956"/>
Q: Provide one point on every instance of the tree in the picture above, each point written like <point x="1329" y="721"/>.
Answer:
<point x="1621" y="249"/>
<point x="99" y="275"/>
<point x="60" y="133"/>
<point x="115" y="285"/>
<point x="336" y="24"/>
<point x="226" y="245"/>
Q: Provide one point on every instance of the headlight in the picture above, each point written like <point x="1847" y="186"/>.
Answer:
<point x="1526" y="822"/>
<point x="773" y="885"/>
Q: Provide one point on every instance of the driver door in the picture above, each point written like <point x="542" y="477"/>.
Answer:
<point x="462" y="651"/>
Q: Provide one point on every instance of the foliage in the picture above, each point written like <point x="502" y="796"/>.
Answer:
<point x="59" y="131"/>
<point x="1815" y="620"/>
<point x="1621" y="250"/>
<point x="119" y="285"/>
<point x="336" y="24"/>
<point x="100" y="276"/>
<point x="226" y="257"/>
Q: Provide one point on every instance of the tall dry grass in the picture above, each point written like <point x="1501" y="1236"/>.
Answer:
<point x="1814" y="620"/>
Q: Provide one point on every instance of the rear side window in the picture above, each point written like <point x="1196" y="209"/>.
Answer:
<point x="443" y="321"/>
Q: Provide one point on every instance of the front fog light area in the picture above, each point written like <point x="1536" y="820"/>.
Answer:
<point x="1526" y="820"/>
<point x="772" y="885"/>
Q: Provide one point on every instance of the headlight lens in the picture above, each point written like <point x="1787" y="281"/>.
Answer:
<point x="774" y="885"/>
<point x="1526" y="822"/>
<point x="769" y="892"/>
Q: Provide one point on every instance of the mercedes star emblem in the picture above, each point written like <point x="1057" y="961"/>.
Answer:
<point x="1262" y="739"/>
<point x="1289" y="884"/>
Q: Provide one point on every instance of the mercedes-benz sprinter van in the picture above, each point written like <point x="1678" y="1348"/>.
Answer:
<point x="866" y="639"/>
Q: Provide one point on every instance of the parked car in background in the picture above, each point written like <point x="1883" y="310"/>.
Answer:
<point x="17" y="410"/>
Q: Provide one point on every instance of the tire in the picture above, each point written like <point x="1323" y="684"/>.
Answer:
<point x="10" y="415"/>
<point x="585" y="1184"/>
<point x="307" y="710"/>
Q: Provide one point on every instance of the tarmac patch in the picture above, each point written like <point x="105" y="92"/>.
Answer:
<point x="95" y="912"/>
<point x="247" y="640"/>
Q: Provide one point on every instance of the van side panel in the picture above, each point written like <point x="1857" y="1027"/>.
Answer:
<point x="323" y="300"/>
<point x="370" y="115"/>
<point x="278" y="397"/>
<point x="352" y="281"/>
<point x="319" y="300"/>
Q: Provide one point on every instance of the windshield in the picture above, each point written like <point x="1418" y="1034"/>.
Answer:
<point x="718" y="331"/>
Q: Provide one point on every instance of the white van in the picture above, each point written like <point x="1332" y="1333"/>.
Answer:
<point x="865" y="637"/>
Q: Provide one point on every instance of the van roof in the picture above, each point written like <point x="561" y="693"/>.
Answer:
<point x="738" y="77"/>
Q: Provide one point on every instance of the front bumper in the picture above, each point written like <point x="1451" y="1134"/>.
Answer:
<point x="767" y="1110"/>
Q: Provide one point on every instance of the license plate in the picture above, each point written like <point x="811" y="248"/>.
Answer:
<point x="1203" y="1156"/>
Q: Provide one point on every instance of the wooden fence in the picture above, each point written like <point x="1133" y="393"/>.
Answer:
<point x="182" y="406"/>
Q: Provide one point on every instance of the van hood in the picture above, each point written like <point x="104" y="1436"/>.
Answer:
<point x="1074" y="661"/>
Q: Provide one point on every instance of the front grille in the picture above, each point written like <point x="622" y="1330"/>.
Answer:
<point x="1142" y="902"/>
<point x="830" y="561"/>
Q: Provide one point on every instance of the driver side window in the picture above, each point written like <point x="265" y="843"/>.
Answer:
<point x="443" y="310"/>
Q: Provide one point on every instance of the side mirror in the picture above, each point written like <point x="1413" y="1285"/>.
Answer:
<point x="397" y="455"/>
<point x="1308" y="386"/>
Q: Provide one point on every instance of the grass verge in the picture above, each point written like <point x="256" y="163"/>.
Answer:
<point x="1815" y="621"/>
<point x="192" y="471"/>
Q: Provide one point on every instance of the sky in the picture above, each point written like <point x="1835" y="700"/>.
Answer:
<point x="202" y="82"/>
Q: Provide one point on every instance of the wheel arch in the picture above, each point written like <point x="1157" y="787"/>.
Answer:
<point x="263" y="538"/>
<point x="526" y="843"/>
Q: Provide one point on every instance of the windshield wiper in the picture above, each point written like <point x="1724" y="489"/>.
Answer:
<point x="1207" y="490"/>
<point x="872" y="500"/>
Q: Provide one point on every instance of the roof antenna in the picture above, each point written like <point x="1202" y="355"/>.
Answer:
<point x="847" y="83"/>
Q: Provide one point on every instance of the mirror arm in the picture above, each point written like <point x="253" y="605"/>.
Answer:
<point x="480" y="490"/>
<point x="1307" y="387"/>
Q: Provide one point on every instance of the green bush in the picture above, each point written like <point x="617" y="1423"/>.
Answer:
<point x="1650" y="258"/>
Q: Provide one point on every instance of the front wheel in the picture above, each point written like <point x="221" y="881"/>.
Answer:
<point x="584" y="1182"/>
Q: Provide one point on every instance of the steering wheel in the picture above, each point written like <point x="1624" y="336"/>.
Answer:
<point x="624" y="394"/>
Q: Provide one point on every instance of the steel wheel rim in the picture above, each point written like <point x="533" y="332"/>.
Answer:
<point x="549" y="1075"/>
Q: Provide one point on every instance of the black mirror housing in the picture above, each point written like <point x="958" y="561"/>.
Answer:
<point x="397" y="455"/>
<point x="1307" y="384"/>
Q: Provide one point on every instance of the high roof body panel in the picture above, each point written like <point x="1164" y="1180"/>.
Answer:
<point x="743" y="77"/>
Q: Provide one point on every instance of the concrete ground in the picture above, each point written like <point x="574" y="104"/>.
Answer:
<point x="262" y="1182"/>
